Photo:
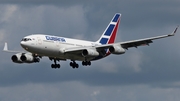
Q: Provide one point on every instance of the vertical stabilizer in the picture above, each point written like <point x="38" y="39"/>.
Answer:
<point x="110" y="32"/>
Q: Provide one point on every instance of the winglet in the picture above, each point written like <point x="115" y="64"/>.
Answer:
<point x="174" y="32"/>
<point x="5" y="47"/>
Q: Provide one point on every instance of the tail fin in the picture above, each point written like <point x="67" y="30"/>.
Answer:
<point x="109" y="34"/>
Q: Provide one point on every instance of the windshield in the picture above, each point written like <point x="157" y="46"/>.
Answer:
<point x="26" y="39"/>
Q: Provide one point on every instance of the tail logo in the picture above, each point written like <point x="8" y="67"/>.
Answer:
<point x="109" y="34"/>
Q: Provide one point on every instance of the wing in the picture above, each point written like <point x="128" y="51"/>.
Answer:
<point x="126" y="45"/>
<point x="146" y="41"/>
<point x="76" y="50"/>
<point x="6" y="49"/>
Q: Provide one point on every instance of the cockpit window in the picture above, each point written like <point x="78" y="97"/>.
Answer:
<point x="26" y="39"/>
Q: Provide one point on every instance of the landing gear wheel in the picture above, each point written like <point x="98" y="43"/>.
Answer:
<point x="74" y="65"/>
<point x="52" y="65"/>
<point x="77" y="66"/>
<point x="86" y="63"/>
<point x="71" y="64"/>
<point x="89" y="63"/>
<point x="83" y="63"/>
<point x="58" y="65"/>
<point x="55" y="66"/>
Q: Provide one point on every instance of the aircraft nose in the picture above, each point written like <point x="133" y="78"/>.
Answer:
<point x="22" y="43"/>
<point x="25" y="45"/>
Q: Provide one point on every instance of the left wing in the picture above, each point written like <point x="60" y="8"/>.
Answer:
<point x="136" y="43"/>
<point x="126" y="45"/>
<point x="146" y="41"/>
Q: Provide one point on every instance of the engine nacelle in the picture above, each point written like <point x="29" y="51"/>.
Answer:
<point x="17" y="58"/>
<point x="24" y="58"/>
<point x="116" y="49"/>
<point x="28" y="58"/>
<point x="90" y="53"/>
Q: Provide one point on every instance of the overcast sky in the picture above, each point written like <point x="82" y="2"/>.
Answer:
<point x="150" y="73"/>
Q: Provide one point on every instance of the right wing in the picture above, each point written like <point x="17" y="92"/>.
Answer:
<point x="6" y="49"/>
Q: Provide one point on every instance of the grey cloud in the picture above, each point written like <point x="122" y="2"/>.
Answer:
<point x="77" y="91"/>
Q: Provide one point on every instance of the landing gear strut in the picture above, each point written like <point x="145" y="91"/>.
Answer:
<point x="74" y="65"/>
<point x="55" y="65"/>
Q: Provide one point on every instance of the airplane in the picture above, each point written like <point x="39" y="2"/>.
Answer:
<point x="62" y="48"/>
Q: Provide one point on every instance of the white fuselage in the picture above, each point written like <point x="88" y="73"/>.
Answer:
<point x="54" y="46"/>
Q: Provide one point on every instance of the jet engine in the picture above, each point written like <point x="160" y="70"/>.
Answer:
<point x="24" y="58"/>
<point x="90" y="53"/>
<point x="116" y="49"/>
<point x="17" y="58"/>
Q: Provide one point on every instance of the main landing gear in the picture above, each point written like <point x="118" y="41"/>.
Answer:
<point x="74" y="65"/>
<point x="86" y="63"/>
<point x="55" y="65"/>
